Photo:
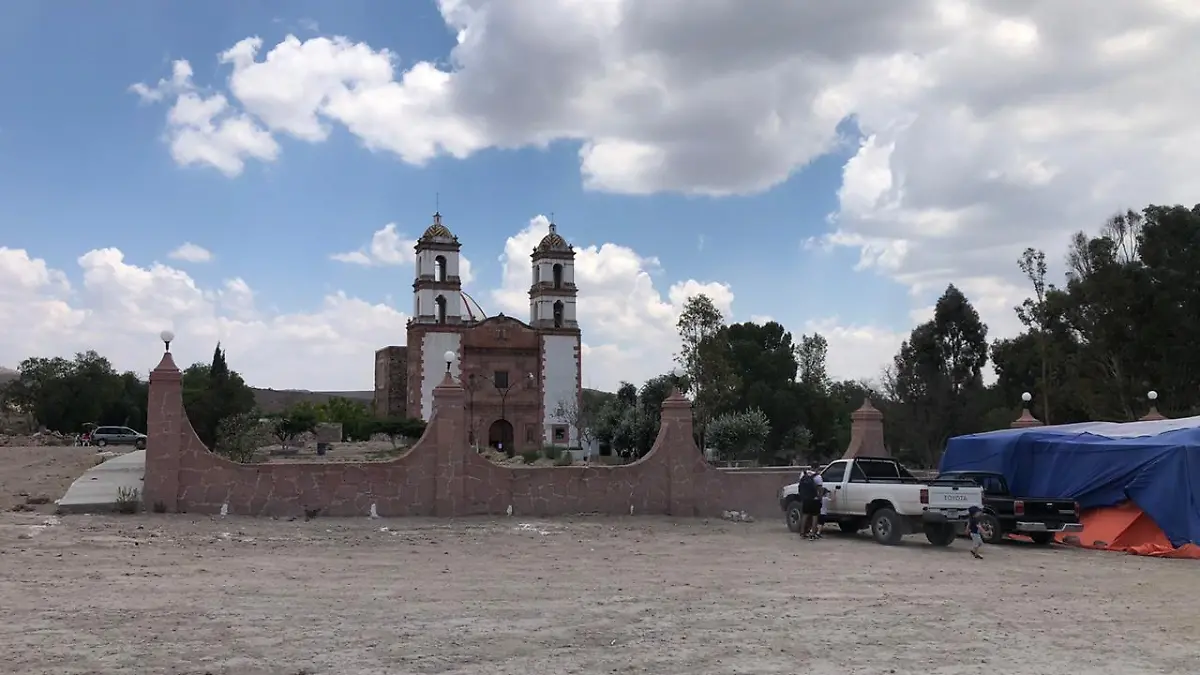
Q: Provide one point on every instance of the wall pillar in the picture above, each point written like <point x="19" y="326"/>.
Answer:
<point x="866" y="433"/>
<point x="164" y="436"/>
<point x="684" y="459"/>
<point x="449" y="421"/>
<point x="1026" y="420"/>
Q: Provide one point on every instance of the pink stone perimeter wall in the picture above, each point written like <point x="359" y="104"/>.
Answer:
<point x="441" y="476"/>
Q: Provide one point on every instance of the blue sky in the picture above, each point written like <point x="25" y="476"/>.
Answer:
<point x="86" y="163"/>
<point x="746" y="159"/>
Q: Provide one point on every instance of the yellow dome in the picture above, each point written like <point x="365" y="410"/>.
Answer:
<point x="553" y="241"/>
<point x="437" y="230"/>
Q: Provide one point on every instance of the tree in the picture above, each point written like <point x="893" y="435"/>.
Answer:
<point x="396" y="428"/>
<point x="583" y="414"/>
<point x="64" y="395"/>
<point x="937" y="377"/>
<point x="739" y="435"/>
<point x="239" y="437"/>
<point x="703" y="356"/>
<point x="299" y="419"/>
<point x="811" y="356"/>
<point x="212" y="392"/>
<point x="1033" y="313"/>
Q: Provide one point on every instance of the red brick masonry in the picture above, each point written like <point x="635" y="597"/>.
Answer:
<point x="441" y="476"/>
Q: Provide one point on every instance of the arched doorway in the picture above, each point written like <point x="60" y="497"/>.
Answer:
<point x="500" y="436"/>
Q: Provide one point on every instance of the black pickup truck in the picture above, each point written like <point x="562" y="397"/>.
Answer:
<point x="1038" y="518"/>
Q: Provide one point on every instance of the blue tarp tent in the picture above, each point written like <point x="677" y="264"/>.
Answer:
<point x="1156" y="464"/>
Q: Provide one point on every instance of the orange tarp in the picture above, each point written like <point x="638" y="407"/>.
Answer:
<point x="1126" y="528"/>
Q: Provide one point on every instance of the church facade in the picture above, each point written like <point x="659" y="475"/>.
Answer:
<point x="523" y="378"/>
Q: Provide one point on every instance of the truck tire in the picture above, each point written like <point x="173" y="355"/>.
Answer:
<point x="940" y="534"/>
<point x="1041" y="538"/>
<point x="885" y="527"/>
<point x="989" y="527"/>
<point x="850" y="526"/>
<point x="794" y="515"/>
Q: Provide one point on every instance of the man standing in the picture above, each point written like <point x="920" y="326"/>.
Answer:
<point x="809" y="493"/>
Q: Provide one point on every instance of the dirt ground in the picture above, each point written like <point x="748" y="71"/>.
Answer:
<point x="33" y="477"/>
<point x="187" y="594"/>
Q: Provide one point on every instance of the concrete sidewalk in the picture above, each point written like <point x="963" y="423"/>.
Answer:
<point x="97" y="489"/>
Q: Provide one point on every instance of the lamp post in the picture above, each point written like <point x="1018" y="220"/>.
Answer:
<point x="450" y="357"/>
<point x="167" y="337"/>
<point x="504" y="392"/>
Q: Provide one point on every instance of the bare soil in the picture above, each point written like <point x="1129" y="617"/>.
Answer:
<point x="186" y="594"/>
<point x="31" y="478"/>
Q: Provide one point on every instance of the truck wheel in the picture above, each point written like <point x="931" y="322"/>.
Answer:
<point x="941" y="534"/>
<point x="1041" y="538"/>
<point x="885" y="527"/>
<point x="795" y="515"/>
<point x="101" y="443"/>
<point x="849" y="526"/>
<point x="990" y="530"/>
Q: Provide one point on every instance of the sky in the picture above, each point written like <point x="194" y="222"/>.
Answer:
<point x="255" y="173"/>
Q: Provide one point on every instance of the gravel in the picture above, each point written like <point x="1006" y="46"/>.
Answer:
<point x="195" y="595"/>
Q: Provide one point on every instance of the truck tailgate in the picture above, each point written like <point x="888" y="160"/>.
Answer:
<point x="1051" y="510"/>
<point x="955" y="496"/>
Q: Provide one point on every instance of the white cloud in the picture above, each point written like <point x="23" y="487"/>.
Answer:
<point x="207" y="130"/>
<point x="988" y="125"/>
<point x="628" y="326"/>
<point x="119" y="307"/>
<point x="389" y="248"/>
<point x="189" y="252"/>
<point x="856" y="352"/>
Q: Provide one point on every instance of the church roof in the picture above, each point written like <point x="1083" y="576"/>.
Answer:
<point x="437" y="230"/>
<point x="553" y="242"/>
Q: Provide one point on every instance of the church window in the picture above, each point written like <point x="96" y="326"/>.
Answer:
<point x="558" y="314"/>
<point x="441" y="308"/>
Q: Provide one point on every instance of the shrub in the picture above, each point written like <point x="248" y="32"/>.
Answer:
<point x="552" y="452"/>
<point x="565" y="459"/>
<point x="238" y="437"/>
<point x="530" y="456"/>
<point x="128" y="500"/>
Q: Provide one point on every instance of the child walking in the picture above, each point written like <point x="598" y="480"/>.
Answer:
<point x="973" y="529"/>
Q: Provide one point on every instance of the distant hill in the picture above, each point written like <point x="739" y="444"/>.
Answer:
<point x="7" y="375"/>
<point x="278" y="400"/>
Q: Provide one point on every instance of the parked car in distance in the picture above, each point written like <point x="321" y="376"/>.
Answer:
<point x="880" y="494"/>
<point x="105" y="436"/>
<point x="1039" y="518"/>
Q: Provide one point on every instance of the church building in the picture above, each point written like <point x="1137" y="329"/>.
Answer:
<point x="523" y="379"/>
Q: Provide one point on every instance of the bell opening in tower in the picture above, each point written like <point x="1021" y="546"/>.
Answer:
<point x="439" y="268"/>
<point x="558" y="314"/>
<point x="558" y="274"/>
<point x="441" y="308"/>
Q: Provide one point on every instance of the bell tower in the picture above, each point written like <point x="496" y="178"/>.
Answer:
<point x="437" y="289"/>
<point x="552" y="293"/>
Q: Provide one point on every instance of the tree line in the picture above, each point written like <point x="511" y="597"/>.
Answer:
<point x="1124" y="321"/>
<point x="73" y="395"/>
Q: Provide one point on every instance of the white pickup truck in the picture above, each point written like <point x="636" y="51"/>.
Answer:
<point x="880" y="494"/>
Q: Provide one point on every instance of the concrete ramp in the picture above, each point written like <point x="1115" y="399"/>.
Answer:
<point x="97" y="489"/>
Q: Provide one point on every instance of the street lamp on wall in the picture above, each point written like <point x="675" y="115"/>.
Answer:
<point x="528" y="380"/>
